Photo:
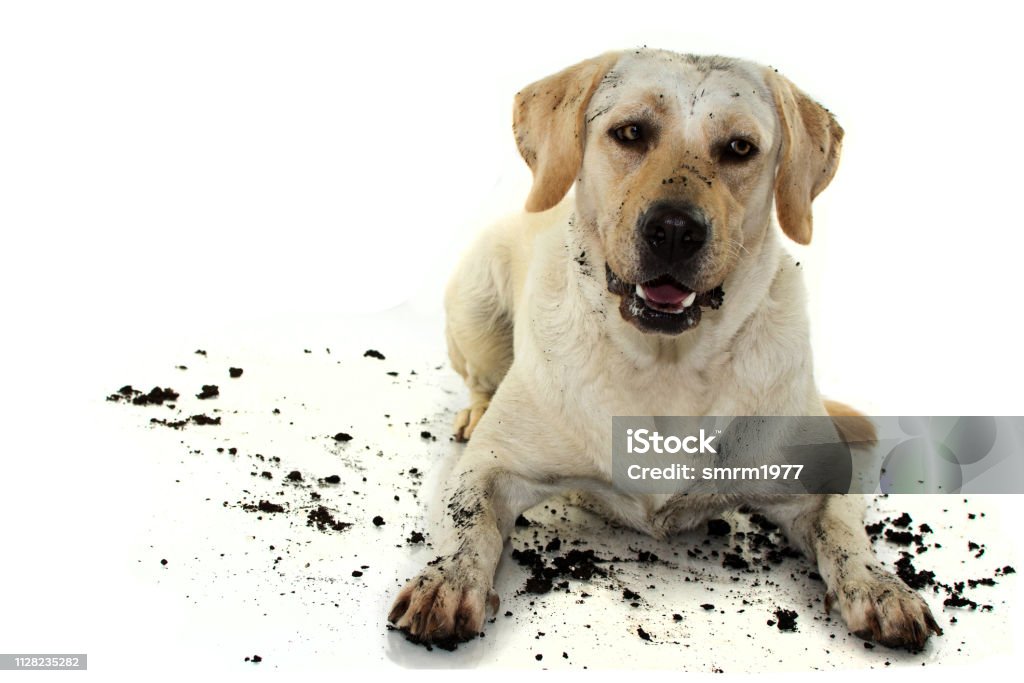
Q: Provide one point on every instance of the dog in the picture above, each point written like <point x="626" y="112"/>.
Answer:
<point x="659" y="287"/>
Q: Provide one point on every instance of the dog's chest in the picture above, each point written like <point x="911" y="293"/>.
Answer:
<point x="600" y="386"/>
<point x="625" y="389"/>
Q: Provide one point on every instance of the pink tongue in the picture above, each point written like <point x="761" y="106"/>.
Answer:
<point x="667" y="294"/>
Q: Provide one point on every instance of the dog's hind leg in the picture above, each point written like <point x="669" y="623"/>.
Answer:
<point x="478" y="306"/>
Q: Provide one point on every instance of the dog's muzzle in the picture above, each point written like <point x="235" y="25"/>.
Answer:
<point x="673" y="236"/>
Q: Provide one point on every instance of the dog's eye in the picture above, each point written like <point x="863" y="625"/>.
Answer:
<point x="740" y="148"/>
<point x="629" y="133"/>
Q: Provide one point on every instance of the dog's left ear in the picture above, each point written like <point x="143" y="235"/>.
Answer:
<point x="811" y="140"/>
<point x="548" y="121"/>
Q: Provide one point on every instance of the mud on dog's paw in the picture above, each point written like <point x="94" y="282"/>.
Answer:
<point x="468" y="418"/>
<point x="446" y="603"/>
<point x="880" y="607"/>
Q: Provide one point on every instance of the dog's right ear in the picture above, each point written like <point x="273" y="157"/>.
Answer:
<point x="548" y="121"/>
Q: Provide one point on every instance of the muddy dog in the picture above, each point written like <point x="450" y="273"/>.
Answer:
<point x="660" y="288"/>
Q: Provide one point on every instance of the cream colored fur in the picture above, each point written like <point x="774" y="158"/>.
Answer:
<point x="549" y="359"/>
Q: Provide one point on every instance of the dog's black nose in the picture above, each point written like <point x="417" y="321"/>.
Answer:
<point x="674" y="232"/>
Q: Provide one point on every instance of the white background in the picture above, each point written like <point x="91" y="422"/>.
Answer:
<point x="189" y="161"/>
<point x="182" y="166"/>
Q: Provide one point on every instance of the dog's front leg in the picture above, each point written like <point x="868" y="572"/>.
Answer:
<point x="447" y="601"/>
<point x="875" y="604"/>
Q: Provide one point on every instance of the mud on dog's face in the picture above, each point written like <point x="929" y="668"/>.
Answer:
<point x="677" y="160"/>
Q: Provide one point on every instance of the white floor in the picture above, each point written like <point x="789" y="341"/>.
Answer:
<point x="239" y="583"/>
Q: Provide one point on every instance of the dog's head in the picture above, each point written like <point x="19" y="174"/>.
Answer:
<point x="677" y="160"/>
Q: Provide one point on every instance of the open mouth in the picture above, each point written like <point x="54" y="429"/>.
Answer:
<point x="666" y="295"/>
<point x="663" y="304"/>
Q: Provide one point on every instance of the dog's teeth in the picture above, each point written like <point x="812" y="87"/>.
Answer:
<point x="640" y="292"/>
<point x="688" y="301"/>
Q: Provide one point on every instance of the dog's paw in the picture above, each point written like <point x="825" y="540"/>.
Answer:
<point x="467" y="419"/>
<point x="880" y="607"/>
<point x="446" y="604"/>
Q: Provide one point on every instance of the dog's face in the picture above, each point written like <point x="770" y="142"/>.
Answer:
<point x="677" y="160"/>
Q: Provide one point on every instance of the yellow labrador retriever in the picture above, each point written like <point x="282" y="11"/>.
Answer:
<point x="661" y="288"/>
